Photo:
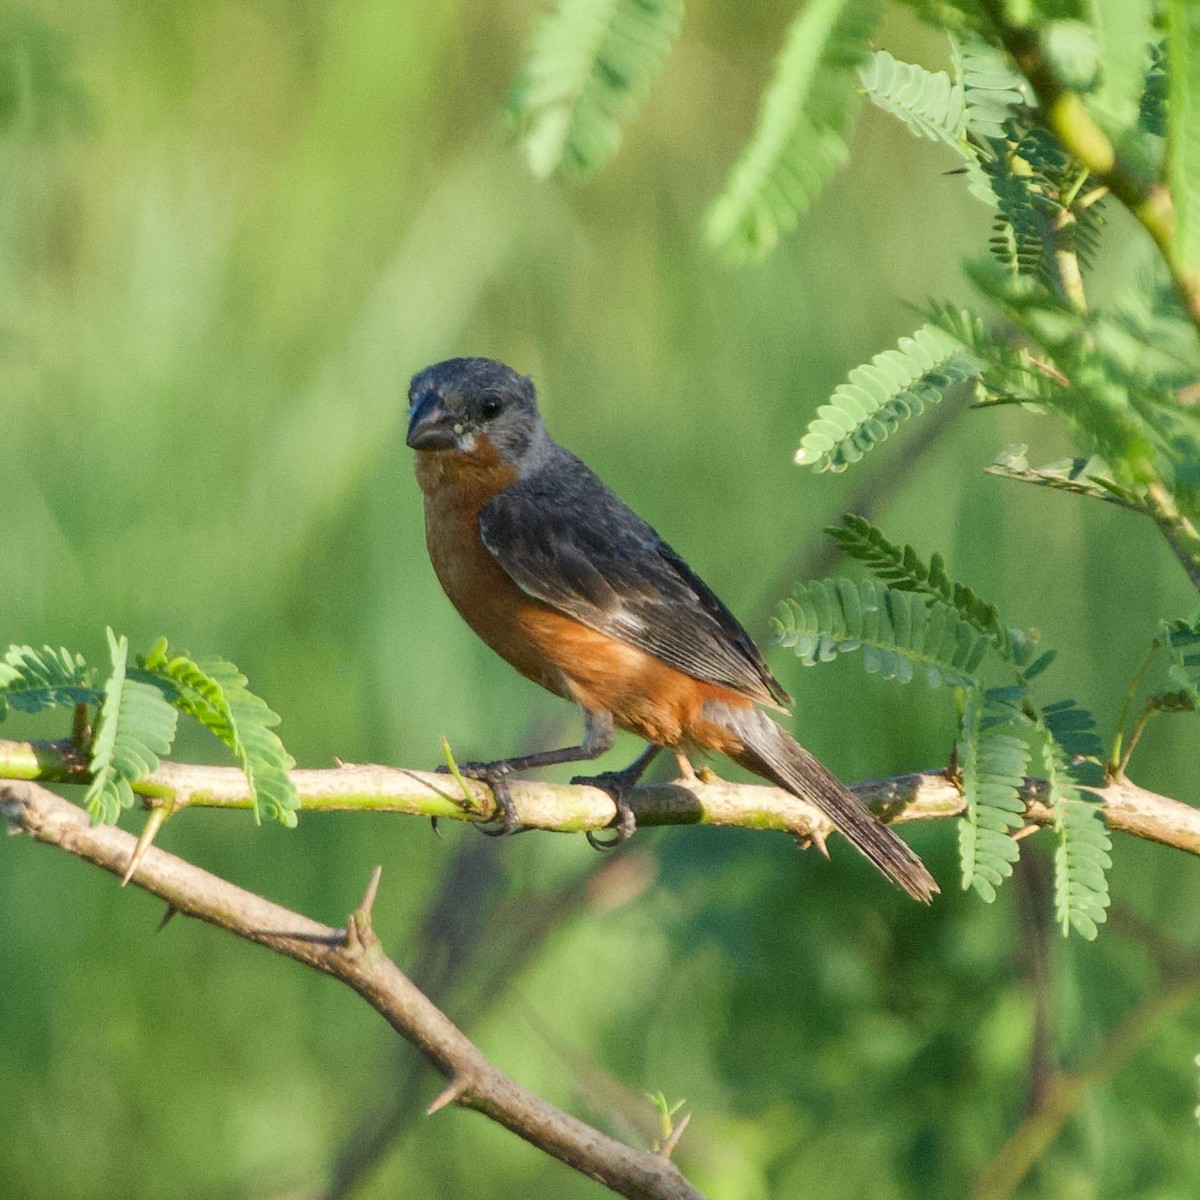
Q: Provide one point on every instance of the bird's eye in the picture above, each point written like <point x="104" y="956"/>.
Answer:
<point x="490" y="407"/>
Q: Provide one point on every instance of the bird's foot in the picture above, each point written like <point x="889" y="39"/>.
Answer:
<point x="689" y="774"/>
<point x="495" y="775"/>
<point x="617" y="784"/>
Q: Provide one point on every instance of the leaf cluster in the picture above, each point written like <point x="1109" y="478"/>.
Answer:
<point x="802" y="132"/>
<point x="914" y="620"/>
<point x="137" y="710"/>
<point x="1114" y="377"/>
<point x="589" y="69"/>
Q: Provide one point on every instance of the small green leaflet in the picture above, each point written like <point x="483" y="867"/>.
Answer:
<point x="134" y="728"/>
<point x="899" y="633"/>
<point x="33" y="680"/>
<point x="879" y="395"/>
<point x="214" y="692"/>
<point x="928" y="102"/>
<point x="1082" y="857"/>
<point x="993" y="759"/>
<point x="800" y="138"/>
<point x="590" y="67"/>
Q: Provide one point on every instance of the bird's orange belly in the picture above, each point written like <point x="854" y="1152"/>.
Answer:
<point x="644" y="694"/>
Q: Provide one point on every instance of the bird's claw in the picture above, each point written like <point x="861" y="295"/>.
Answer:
<point x="495" y="776"/>
<point x="617" y="785"/>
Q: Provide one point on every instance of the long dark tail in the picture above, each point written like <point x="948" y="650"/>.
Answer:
<point x="769" y="751"/>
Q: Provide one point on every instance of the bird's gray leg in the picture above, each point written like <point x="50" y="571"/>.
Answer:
<point x="598" y="737"/>
<point x="618" y="785"/>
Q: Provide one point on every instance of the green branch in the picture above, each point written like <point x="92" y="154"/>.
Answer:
<point x="1177" y="528"/>
<point x="1067" y="116"/>
<point x="569" y="808"/>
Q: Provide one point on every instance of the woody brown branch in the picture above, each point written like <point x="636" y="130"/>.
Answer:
<point x="353" y="956"/>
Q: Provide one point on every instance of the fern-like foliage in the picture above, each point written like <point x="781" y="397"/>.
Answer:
<point x="135" y="727"/>
<point x="1036" y="186"/>
<point x="1096" y="371"/>
<point x="921" y="619"/>
<point x="1182" y="639"/>
<point x="1071" y="756"/>
<point x="1152" y="108"/>
<point x="899" y="633"/>
<point x="803" y="125"/>
<point x="32" y="680"/>
<point x="879" y="395"/>
<point x="1080" y="476"/>
<point x="214" y="693"/>
<point x="992" y="759"/>
<point x="1010" y="374"/>
<point x="993" y="91"/>
<point x="1116" y="408"/>
<point x="1019" y="234"/>
<point x="972" y="113"/>
<point x="930" y="103"/>
<point x="985" y="114"/>
<point x="138" y="714"/>
<point x="590" y="67"/>
<point x="904" y="570"/>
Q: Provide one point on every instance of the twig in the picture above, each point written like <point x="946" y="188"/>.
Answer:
<point x="470" y="963"/>
<point x="1177" y="528"/>
<point x="1064" y="1093"/>
<point x="357" y="960"/>
<point x="1068" y="117"/>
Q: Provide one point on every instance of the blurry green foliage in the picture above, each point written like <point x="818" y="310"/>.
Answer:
<point x="804" y="122"/>
<point x="256" y="222"/>
<point x="136" y="716"/>
<point x="40" y="94"/>
<point x="590" y="67"/>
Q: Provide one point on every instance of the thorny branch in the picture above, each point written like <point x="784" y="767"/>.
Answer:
<point x="354" y="956"/>
<point x="568" y="808"/>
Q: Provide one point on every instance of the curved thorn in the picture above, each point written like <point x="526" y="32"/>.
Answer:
<point x="150" y="830"/>
<point x="368" y="901"/>
<point x="817" y="839"/>
<point x="448" y="1095"/>
<point x="669" y="1145"/>
<point x="452" y="767"/>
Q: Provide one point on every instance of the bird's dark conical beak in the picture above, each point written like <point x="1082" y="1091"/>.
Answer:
<point x="430" y="426"/>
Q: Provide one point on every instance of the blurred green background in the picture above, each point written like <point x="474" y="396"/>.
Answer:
<point x="229" y="232"/>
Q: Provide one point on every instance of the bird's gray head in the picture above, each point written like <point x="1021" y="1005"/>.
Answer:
<point x="475" y="406"/>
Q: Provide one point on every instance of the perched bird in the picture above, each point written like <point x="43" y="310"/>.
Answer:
<point x="569" y="585"/>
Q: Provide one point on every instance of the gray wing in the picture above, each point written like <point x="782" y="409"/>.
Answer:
<point x="568" y="540"/>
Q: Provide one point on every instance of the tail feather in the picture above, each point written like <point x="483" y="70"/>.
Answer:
<point x="767" y="750"/>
